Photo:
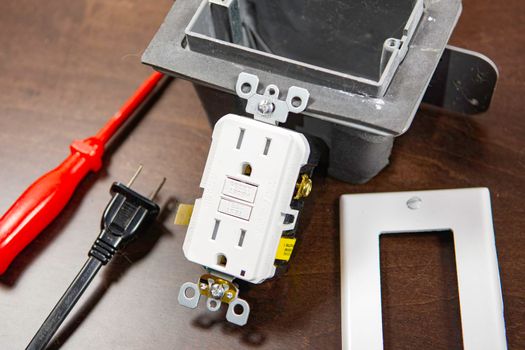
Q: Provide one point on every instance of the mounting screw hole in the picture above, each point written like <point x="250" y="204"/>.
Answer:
<point x="238" y="309"/>
<point x="246" y="88"/>
<point x="271" y="91"/>
<point x="414" y="203"/>
<point x="189" y="293"/>
<point x="296" y="101"/>
<point x="213" y="304"/>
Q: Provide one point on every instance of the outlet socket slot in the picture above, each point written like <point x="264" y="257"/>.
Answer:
<point x="247" y="169"/>
<point x="222" y="260"/>
<point x="241" y="238"/>
<point x="215" y="229"/>
<point x="267" y="146"/>
<point x="240" y="138"/>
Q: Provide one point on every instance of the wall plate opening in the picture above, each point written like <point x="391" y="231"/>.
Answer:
<point x="419" y="291"/>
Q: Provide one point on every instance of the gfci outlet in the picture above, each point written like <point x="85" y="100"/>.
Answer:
<point x="249" y="183"/>
<point x="256" y="178"/>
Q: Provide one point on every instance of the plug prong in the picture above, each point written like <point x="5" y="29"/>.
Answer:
<point x="154" y="193"/>
<point x="135" y="176"/>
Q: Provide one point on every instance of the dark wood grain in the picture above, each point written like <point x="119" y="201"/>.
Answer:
<point x="65" y="66"/>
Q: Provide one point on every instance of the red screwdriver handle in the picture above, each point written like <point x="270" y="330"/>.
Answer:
<point x="45" y="199"/>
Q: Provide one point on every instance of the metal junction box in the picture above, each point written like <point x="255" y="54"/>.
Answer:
<point x="367" y="66"/>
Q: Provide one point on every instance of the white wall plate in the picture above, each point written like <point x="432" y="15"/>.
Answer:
<point x="465" y="212"/>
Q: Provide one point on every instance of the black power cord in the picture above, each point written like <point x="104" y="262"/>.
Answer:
<point x="127" y="214"/>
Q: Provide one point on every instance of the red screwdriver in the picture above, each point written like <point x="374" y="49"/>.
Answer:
<point x="46" y="197"/>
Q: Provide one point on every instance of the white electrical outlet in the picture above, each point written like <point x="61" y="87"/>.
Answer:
<point x="249" y="181"/>
<point x="254" y="182"/>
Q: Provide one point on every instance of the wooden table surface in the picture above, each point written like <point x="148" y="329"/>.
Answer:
<point x="65" y="66"/>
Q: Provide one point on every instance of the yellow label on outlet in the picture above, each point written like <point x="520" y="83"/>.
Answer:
<point x="285" y="249"/>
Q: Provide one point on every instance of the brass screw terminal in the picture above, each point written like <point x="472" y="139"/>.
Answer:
<point x="303" y="188"/>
